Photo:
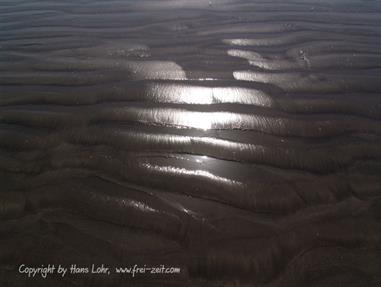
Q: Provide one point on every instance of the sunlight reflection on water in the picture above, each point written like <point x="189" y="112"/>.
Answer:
<point x="189" y="94"/>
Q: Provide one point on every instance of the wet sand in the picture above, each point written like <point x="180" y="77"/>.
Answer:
<point x="237" y="140"/>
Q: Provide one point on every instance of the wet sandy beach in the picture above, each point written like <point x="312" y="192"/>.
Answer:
<point x="237" y="140"/>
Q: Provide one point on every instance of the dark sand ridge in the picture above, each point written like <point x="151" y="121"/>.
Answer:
<point x="239" y="140"/>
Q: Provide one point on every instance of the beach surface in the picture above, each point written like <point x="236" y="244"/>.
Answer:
<point x="236" y="141"/>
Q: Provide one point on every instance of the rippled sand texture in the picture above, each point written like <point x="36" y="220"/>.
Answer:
<point x="238" y="140"/>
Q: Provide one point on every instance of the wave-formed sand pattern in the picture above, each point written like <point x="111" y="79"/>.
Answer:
<point x="239" y="140"/>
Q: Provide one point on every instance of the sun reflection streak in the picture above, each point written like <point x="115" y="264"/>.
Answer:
<point x="183" y="118"/>
<point x="188" y="172"/>
<point x="181" y="93"/>
<point x="190" y="119"/>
